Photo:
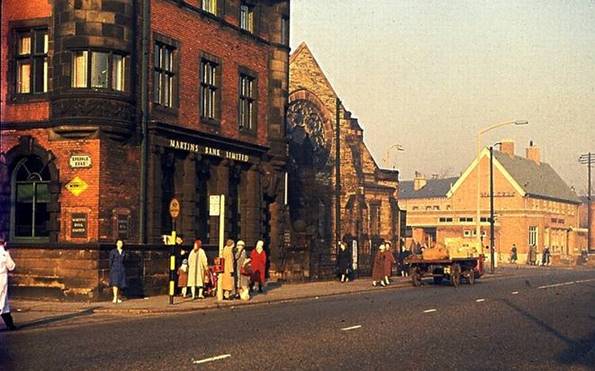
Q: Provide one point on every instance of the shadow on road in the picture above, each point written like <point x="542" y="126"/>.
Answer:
<point x="55" y="319"/>
<point x="577" y="351"/>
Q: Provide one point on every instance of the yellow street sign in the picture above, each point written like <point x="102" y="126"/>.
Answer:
<point x="77" y="186"/>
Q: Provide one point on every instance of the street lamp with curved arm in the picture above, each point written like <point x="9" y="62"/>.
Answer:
<point x="397" y="147"/>
<point x="479" y="134"/>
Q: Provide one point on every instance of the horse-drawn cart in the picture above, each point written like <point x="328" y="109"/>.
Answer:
<point x="453" y="269"/>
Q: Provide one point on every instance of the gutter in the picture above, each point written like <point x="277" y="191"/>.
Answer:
<point x="144" y="106"/>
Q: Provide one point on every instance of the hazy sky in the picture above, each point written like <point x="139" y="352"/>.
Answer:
<point x="430" y="74"/>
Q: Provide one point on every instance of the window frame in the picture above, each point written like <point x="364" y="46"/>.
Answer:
<point x="13" y="199"/>
<point x="174" y="46"/>
<point x="284" y="30"/>
<point x="533" y="235"/>
<point x="214" y="5"/>
<point x="27" y="26"/>
<point x="89" y="70"/>
<point x="251" y="12"/>
<point x="245" y="73"/>
<point x="215" y="62"/>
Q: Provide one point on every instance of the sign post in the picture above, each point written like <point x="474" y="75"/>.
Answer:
<point x="217" y="208"/>
<point x="174" y="212"/>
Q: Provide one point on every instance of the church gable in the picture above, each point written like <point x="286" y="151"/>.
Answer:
<point x="306" y="74"/>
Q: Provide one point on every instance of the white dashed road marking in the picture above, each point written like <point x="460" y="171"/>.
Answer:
<point x="556" y="285"/>
<point x="430" y="310"/>
<point x="480" y="300"/>
<point x="589" y="280"/>
<point x="515" y="293"/>
<point x="217" y="358"/>
<point x="351" y="328"/>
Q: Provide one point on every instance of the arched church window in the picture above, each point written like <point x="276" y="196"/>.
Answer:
<point x="30" y="199"/>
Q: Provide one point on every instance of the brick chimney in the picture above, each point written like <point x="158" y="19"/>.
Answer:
<point x="533" y="153"/>
<point x="419" y="181"/>
<point x="507" y="146"/>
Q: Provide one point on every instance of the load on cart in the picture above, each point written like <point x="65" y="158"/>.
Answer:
<point x="455" y="260"/>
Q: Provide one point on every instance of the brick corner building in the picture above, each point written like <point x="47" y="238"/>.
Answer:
<point x="112" y="107"/>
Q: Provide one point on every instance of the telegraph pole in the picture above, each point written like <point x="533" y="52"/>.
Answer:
<point x="337" y="175"/>
<point x="588" y="159"/>
<point x="492" y="228"/>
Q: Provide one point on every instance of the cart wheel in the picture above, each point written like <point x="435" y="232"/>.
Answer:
<point x="471" y="277"/>
<point x="438" y="280"/>
<point x="415" y="277"/>
<point x="455" y="275"/>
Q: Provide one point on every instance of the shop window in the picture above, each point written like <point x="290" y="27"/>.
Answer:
<point x="210" y="6"/>
<point x="209" y="90"/>
<point x="32" y="61"/>
<point x="99" y="70"/>
<point x="247" y="102"/>
<point x="164" y="75"/>
<point x="30" y="195"/>
<point x="247" y="17"/>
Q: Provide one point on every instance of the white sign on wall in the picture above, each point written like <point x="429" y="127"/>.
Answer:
<point x="214" y="205"/>
<point x="80" y="161"/>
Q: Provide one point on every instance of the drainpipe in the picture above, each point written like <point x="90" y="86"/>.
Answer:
<point x="144" y="101"/>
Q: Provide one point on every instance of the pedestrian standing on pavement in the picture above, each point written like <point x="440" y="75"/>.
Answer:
<point x="389" y="261"/>
<point x="513" y="254"/>
<point x="403" y="266"/>
<point x="378" y="267"/>
<point x="117" y="273"/>
<point x="344" y="262"/>
<point x="242" y="284"/>
<point x="227" y="279"/>
<point x="545" y="258"/>
<point x="6" y="265"/>
<point x="183" y="277"/>
<point x="197" y="269"/>
<point x="258" y="259"/>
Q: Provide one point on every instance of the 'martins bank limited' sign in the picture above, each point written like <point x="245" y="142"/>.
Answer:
<point x="210" y="151"/>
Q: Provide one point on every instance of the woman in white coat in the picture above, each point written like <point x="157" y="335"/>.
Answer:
<point x="6" y="265"/>
<point x="197" y="269"/>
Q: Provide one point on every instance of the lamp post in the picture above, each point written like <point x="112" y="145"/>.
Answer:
<point x="492" y="227"/>
<point x="479" y="134"/>
<point x="397" y="147"/>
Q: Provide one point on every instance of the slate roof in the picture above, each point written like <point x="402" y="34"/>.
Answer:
<point x="434" y="188"/>
<point x="538" y="180"/>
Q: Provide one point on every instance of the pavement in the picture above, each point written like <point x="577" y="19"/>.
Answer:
<point x="275" y="292"/>
<point x="526" y="319"/>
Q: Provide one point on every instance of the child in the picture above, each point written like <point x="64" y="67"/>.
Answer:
<point x="183" y="277"/>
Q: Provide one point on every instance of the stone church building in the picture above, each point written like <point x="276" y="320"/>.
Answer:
<point x="369" y="210"/>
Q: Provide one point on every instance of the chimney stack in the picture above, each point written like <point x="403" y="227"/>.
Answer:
<point x="419" y="181"/>
<point x="507" y="146"/>
<point x="533" y="153"/>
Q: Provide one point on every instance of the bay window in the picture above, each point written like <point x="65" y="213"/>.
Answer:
<point x="99" y="70"/>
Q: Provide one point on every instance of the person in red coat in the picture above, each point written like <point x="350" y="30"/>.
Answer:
<point x="389" y="261"/>
<point x="258" y="259"/>
<point x="378" y="267"/>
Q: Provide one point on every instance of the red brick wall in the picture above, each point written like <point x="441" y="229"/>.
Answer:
<point x="88" y="201"/>
<point x="13" y="10"/>
<point x="232" y="47"/>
